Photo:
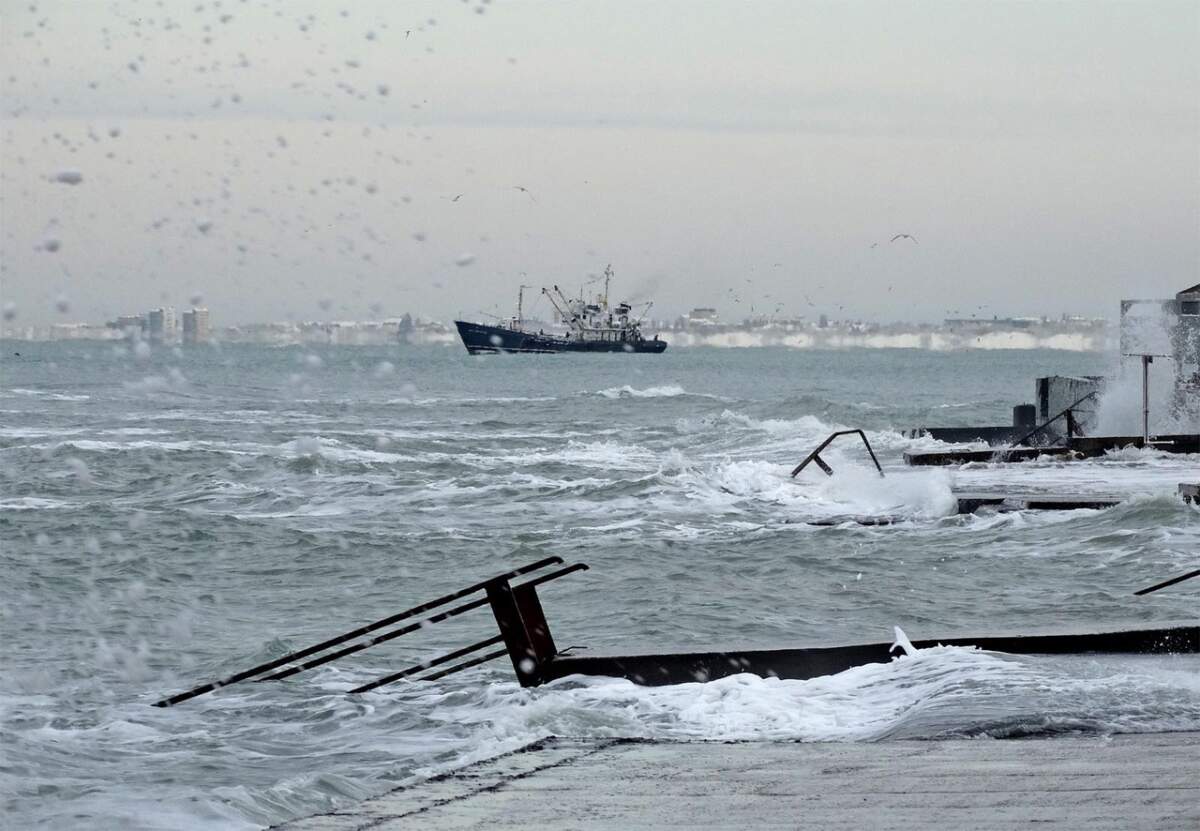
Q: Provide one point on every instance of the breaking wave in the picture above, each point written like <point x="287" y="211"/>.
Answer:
<point x="665" y="391"/>
<point x="936" y="692"/>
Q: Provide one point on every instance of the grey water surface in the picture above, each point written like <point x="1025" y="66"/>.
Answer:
<point x="166" y="518"/>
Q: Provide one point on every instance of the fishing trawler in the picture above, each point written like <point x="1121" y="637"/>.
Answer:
<point x="592" y="326"/>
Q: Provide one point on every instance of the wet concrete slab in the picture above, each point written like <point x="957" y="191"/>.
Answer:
<point x="1145" y="781"/>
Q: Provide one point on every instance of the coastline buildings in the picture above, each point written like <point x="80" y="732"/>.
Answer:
<point x="196" y="326"/>
<point x="403" y="330"/>
<point x="158" y="326"/>
<point x="702" y="326"/>
<point x="161" y="325"/>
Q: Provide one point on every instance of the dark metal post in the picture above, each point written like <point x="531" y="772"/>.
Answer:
<point x="1146" y="361"/>
<point x="512" y="629"/>
<point x="536" y="627"/>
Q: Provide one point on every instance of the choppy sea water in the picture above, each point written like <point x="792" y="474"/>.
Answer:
<point x="167" y="518"/>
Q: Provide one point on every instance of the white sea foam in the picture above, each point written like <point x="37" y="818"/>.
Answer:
<point x="32" y="503"/>
<point x="853" y="490"/>
<point x="47" y="394"/>
<point x="100" y="446"/>
<point x="627" y="391"/>
<point x="38" y="432"/>
<point x="916" y="493"/>
<point x="927" y="692"/>
<point x="806" y="427"/>
<point x="437" y="402"/>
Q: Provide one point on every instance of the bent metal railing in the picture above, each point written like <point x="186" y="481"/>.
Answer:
<point x="816" y="457"/>
<point x="1069" y="413"/>
<point x="516" y="608"/>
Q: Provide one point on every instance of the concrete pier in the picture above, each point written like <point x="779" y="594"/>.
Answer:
<point x="1079" y="447"/>
<point x="1147" y="781"/>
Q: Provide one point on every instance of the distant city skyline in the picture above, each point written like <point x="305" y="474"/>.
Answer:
<point x="882" y="161"/>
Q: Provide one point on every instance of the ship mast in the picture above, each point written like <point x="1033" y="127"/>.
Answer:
<point x="520" y="303"/>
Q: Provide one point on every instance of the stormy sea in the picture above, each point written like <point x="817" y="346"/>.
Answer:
<point x="172" y="515"/>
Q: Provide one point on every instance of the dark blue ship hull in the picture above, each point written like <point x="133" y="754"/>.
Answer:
<point x="480" y="338"/>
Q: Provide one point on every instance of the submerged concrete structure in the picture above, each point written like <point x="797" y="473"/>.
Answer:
<point x="1101" y="783"/>
<point x="1056" y="393"/>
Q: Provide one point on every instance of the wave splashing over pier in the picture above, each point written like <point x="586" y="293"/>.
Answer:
<point x="939" y="692"/>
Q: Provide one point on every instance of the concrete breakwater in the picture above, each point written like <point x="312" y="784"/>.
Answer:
<point x="1117" y="782"/>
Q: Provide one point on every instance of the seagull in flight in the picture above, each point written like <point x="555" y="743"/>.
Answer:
<point x="525" y="191"/>
<point x="455" y="199"/>
<point x="904" y="236"/>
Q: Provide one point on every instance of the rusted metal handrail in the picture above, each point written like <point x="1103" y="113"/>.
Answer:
<point x="816" y="457"/>
<point x="324" y="655"/>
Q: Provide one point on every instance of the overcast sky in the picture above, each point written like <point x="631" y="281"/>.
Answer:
<point x="359" y="159"/>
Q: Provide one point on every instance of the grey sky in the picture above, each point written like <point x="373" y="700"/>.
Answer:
<point x="273" y="157"/>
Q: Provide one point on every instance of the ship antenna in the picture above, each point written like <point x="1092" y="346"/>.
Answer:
<point x="607" y="277"/>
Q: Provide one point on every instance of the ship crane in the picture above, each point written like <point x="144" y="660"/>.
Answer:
<point x="563" y="312"/>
